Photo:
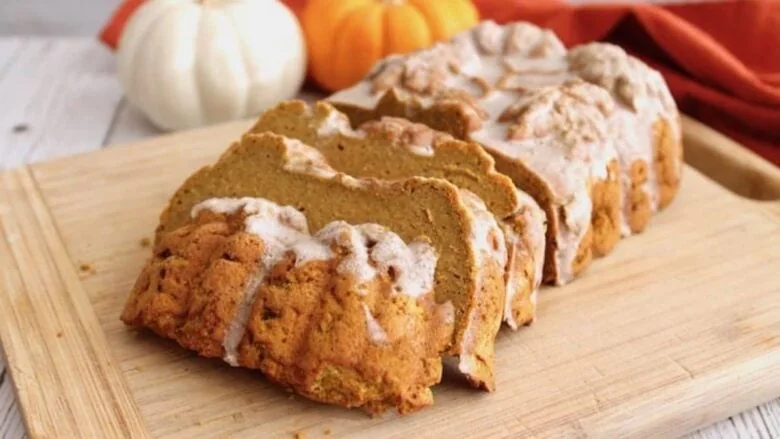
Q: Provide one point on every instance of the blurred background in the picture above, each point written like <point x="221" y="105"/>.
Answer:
<point x="47" y="17"/>
<point x="85" y="17"/>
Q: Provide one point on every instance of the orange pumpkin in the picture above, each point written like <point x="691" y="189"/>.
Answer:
<point x="345" y="38"/>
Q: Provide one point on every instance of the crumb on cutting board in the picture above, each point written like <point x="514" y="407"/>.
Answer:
<point x="299" y="435"/>
<point x="145" y="242"/>
<point x="86" y="269"/>
<point x="327" y="431"/>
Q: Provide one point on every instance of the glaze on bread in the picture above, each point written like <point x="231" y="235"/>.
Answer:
<point x="464" y="86"/>
<point x="469" y="242"/>
<point x="645" y="126"/>
<point x="347" y="254"/>
<point x="344" y="316"/>
<point x="393" y="148"/>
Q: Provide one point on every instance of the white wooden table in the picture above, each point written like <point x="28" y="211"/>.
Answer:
<point x="60" y="97"/>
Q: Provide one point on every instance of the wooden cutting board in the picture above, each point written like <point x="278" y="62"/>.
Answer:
<point x="678" y="328"/>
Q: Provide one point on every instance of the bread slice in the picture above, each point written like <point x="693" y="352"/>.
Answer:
<point x="396" y="148"/>
<point x="345" y="316"/>
<point x="552" y="140"/>
<point x="391" y="149"/>
<point x="470" y="244"/>
<point x="525" y="242"/>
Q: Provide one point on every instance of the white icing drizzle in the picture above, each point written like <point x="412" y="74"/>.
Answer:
<point x="567" y="145"/>
<point x="447" y="312"/>
<point x="531" y="59"/>
<point x="416" y="138"/>
<point x="357" y="262"/>
<point x="516" y="40"/>
<point x="566" y="159"/>
<point x="642" y="97"/>
<point x="373" y="248"/>
<point x="334" y="124"/>
<point x="375" y="331"/>
<point x="370" y="249"/>
<point x="282" y="229"/>
<point x="486" y="235"/>
<point x="489" y="245"/>
<point x="421" y="150"/>
<point x="629" y="134"/>
<point x="303" y="159"/>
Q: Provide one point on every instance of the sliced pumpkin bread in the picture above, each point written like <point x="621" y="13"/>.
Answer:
<point x="554" y="144"/>
<point x="462" y="76"/>
<point x="344" y="316"/>
<point x="393" y="148"/>
<point x="470" y="244"/>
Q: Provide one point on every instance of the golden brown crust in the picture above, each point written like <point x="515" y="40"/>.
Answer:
<point x="584" y="255"/>
<point x="607" y="216"/>
<point x="396" y="130"/>
<point x="310" y="327"/>
<point x="640" y="207"/>
<point x="668" y="161"/>
<point x="315" y="341"/>
<point x="193" y="284"/>
<point x="635" y="94"/>
<point x="259" y="166"/>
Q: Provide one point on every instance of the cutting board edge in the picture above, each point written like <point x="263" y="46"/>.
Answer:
<point x="746" y="390"/>
<point x="730" y="164"/>
<point x="129" y="416"/>
<point x="68" y="350"/>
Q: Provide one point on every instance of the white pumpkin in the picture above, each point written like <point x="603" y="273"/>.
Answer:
<point x="188" y="63"/>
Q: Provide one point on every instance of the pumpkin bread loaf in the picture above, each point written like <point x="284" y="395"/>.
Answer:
<point x="556" y="148"/>
<point x="396" y="149"/>
<point x="469" y="243"/>
<point x="344" y="316"/>
<point x="553" y="143"/>
<point x="552" y="140"/>
<point x="348" y="249"/>
<point x="478" y="65"/>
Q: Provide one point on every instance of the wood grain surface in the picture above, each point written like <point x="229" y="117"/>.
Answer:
<point x="54" y="346"/>
<point x="677" y="329"/>
<point x="90" y="129"/>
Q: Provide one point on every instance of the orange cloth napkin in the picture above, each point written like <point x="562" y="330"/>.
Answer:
<point x="721" y="59"/>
